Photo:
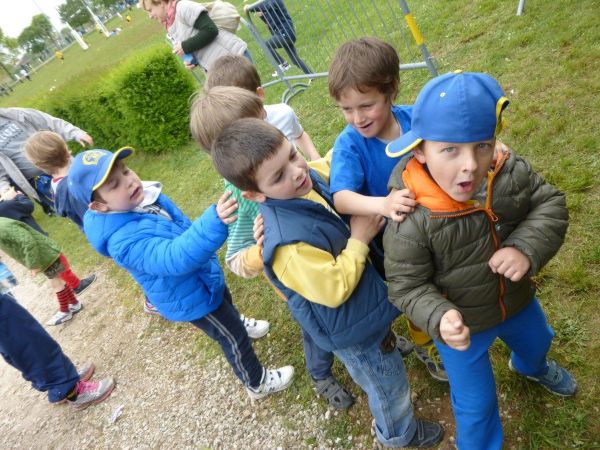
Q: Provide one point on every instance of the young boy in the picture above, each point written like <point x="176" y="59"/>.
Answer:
<point x="210" y="114"/>
<point x="39" y="253"/>
<point x="363" y="80"/>
<point x="231" y="70"/>
<point x="49" y="152"/>
<point x="173" y="259"/>
<point x="322" y="268"/>
<point x="460" y="266"/>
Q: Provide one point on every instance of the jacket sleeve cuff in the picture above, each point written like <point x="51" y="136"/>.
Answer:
<point x="358" y="247"/>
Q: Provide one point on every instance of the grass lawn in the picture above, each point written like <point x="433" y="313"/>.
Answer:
<point x="547" y="61"/>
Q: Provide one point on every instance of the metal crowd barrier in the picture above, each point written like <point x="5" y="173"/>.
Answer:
<point x="325" y="24"/>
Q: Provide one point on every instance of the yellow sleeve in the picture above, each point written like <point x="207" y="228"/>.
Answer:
<point x="322" y="166"/>
<point x="317" y="275"/>
<point x="246" y="263"/>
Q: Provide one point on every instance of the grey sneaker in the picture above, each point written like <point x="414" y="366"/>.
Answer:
<point x="91" y="392"/>
<point x="428" y="434"/>
<point x="429" y="355"/>
<point x="332" y="390"/>
<point x="255" y="328"/>
<point x="86" y="370"/>
<point x="84" y="284"/>
<point x="75" y="307"/>
<point x="274" y="380"/>
<point x="404" y="345"/>
<point x="557" y="380"/>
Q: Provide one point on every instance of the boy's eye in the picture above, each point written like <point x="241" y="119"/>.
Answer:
<point x="449" y="149"/>
<point x="484" y="146"/>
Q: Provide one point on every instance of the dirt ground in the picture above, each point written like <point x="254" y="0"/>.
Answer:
<point x="169" y="397"/>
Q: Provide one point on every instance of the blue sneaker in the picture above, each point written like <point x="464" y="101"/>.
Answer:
<point x="557" y="380"/>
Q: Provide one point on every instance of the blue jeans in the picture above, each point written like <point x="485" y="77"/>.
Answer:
<point x="472" y="385"/>
<point x="382" y="375"/>
<point x="225" y="326"/>
<point x="26" y="346"/>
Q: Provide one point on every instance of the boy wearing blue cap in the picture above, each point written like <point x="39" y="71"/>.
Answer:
<point x="460" y="266"/>
<point x="173" y="260"/>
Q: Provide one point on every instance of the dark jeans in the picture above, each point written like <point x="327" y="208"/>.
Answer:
<point x="26" y="346"/>
<point x="318" y="361"/>
<point x="285" y="42"/>
<point x="225" y="326"/>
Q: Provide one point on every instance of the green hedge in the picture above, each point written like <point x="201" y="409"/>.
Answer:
<point x="142" y="103"/>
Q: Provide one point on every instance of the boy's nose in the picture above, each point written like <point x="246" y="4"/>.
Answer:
<point x="470" y="162"/>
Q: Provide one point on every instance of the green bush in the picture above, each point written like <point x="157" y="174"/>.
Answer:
<point x="142" y="103"/>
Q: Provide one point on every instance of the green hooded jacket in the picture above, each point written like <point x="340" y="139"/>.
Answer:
<point x="437" y="259"/>
<point x="26" y="245"/>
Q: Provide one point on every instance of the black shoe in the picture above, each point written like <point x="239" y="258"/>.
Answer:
<point x="84" y="284"/>
<point x="429" y="434"/>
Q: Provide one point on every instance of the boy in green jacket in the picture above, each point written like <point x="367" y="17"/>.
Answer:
<point x="40" y="253"/>
<point x="460" y="266"/>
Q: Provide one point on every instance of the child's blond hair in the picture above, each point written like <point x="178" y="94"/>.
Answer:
<point x="213" y="110"/>
<point x="362" y="64"/>
<point x="233" y="70"/>
<point x="47" y="151"/>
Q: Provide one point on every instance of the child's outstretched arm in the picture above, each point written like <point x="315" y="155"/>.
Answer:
<point x="139" y="247"/>
<point x="319" y="276"/>
<point x="396" y="205"/>
<point x="540" y="235"/>
<point x="306" y="146"/>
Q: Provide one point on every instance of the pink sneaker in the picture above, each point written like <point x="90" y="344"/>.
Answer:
<point x="91" y="392"/>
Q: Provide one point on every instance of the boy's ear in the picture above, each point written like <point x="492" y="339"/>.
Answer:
<point x="260" y="92"/>
<point x="418" y="154"/>
<point x="98" y="206"/>
<point x="254" y="196"/>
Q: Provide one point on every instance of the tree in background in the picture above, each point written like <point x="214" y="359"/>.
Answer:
<point x="74" y="13"/>
<point x="35" y="37"/>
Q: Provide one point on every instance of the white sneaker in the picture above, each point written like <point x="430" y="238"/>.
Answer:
<point x="255" y="328"/>
<point x="59" y="318"/>
<point x="275" y="380"/>
<point x="283" y="67"/>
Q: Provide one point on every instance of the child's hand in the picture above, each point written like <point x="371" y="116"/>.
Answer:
<point x="398" y="204"/>
<point x="259" y="230"/>
<point x="86" y="140"/>
<point x="365" y="228"/>
<point x="9" y="194"/>
<point x="510" y="262"/>
<point x="177" y="49"/>
<point x="454" y="332"/>
<point x="226" y="207"/>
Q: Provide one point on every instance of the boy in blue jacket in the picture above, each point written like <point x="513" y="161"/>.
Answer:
<point x="173" y="259"/>
<point x="322" y="267"/>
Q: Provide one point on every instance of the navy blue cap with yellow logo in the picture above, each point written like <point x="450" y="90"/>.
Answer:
<point x="457" y="107"/>
<point x="90" y="169"/>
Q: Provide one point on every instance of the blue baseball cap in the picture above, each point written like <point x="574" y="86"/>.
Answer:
<point x="456" y="107"/>
<point x="90" y="169"/>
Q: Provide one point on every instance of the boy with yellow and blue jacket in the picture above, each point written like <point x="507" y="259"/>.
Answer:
<point x="321" y="266"/>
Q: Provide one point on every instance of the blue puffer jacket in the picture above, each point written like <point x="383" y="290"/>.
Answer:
<point x="367" y="314"/>
<point x="174" y="261"/>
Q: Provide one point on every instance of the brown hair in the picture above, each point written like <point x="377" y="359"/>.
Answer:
<point x="218" y="107"/>
<point x="242" y="147"/>
<point x="143" y="3"/>
<point x="233" y="70"/>
<point x="362" y="64"/>
<point x="47" y="151"/>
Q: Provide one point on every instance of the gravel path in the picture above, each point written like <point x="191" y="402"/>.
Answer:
<point x="170" y="397"/>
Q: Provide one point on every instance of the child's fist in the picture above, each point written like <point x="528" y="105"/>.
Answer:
<point x="226" y="207"/>
<point x="398" y="204"/>
<point x="510" y="262"/>
<point x="454" y="332"/>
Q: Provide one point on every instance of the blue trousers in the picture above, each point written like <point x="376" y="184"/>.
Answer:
<point x="318" y="361"/>
<point x="225" y="326"/>
<point x="382" y="375"/>
<point x="26" y="346"/>
<point x="472" y="385"/>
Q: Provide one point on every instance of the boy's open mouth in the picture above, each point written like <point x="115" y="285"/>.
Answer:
<point x="466" y="186"/>
<point x="135" y="193"/>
